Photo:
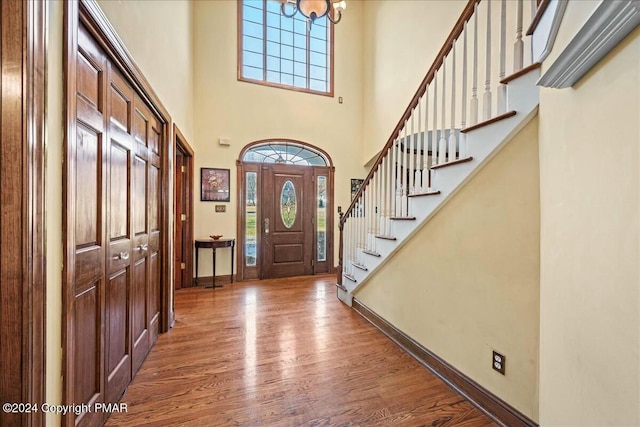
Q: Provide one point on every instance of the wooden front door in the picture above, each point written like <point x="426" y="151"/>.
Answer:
<point x="287" y="220"/>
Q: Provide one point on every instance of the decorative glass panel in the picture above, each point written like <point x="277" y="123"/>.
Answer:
<point x="288" y="204"/>
<point x="321" y="223"/>
<point x="251" y="215"/>
<point x="284" y="153"/>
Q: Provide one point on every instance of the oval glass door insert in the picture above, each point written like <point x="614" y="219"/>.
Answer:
<point x="288" y="204"/>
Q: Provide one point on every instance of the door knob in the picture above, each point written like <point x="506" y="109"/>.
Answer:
<point x="122" y="256"/>
<point x="266" y="226"/>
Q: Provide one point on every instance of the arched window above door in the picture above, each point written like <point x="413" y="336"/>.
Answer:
<point x="285" y="152"/>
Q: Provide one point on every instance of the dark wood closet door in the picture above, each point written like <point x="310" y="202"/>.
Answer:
<point x="87" y="296"/>
<point x="120" y="257"/>
<point x="153" y="226"/>
<point x="116" y="294"/>
<point x="145" y="299"/>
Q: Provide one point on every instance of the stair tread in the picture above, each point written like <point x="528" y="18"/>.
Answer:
<point x="453" y="163"/>
<point x="427" y="193"/>
<point x="360" y="266"/>
<point x="521" y="72"/>
<point x="403" y="218"/>
<point x="489" y="121"/>
<point x="372" y="253"/>
<point x="381" y="236"/>
<point x="341" y="287"/>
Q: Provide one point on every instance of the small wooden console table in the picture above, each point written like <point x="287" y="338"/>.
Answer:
<point x="214" y="244"/>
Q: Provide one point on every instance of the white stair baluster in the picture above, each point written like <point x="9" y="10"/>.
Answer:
<point x="486" y="100"/>
<point x="370" y="217"/>
<point x="434" y="130"/>
<point x="405" y="175"/>
<point x="502" y="88"/>
<point x="390" y="184"/>
<point x="452" y="135"/>
<point x="426" y="185"/>
<point x="518" y="47"/>
<point x="383" y="205"/>
<point x="372" y="221"/>
<point x="398" y="180"/>
<point x="463" y="121"/>
<point x="442" y="145"/>
<point x="474" y="87"/>
<point x="419" y="150"/>
<point x="411" y="154"/>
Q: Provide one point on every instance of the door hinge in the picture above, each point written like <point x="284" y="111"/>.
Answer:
<point x="182" y="168"/>
<point x="313" y="262"/>
<point x="183" y="217"/>
<point x="183" y="266"/>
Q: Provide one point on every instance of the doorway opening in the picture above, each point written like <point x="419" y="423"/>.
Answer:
<point x="183" y="212"/>
<point x="285" y="201"/>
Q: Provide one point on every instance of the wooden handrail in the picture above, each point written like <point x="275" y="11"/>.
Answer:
<point x="467" y="13"/>
<point x="542" y="7"/>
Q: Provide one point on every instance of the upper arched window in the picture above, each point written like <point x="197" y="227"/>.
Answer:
<point x="289" y="153"/>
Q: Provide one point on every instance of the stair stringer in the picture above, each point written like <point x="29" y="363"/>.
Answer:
<point x="483" y="144"/>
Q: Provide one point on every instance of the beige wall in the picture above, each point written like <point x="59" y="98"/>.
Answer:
<point x="468" y="282"/>
<point x="53" y="210"/>
<point x="590" y="258"/>
<point x="158" y="34"/>
<point x="401" y="40"/>
<point x="246" y="112"/>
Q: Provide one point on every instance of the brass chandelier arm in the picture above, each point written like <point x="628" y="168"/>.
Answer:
<point x="284" y="12"/>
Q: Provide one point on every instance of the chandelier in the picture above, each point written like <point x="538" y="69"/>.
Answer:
<point x="314" y="9"/>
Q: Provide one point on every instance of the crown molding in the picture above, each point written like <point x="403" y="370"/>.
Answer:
<point x="611" y="22"/>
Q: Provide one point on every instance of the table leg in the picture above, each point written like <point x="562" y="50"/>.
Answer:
<point x="214" y="271"/>
<point x="197" y="250"/>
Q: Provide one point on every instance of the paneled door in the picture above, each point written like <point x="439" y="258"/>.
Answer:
<point x="92" y="286"/>
<point x="120" y="99"/>
<point x="287" y="216"/>
<point x="114" y="188"/>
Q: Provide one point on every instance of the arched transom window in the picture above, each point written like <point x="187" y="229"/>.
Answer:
<point x="288" y="153"/>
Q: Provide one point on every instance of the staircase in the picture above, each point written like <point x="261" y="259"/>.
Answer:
<point x="446" y="135"/>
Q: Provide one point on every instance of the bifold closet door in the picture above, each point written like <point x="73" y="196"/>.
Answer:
<point x="116" y="203"/>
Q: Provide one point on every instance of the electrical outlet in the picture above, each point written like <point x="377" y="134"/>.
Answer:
<point x="498" y="362"/>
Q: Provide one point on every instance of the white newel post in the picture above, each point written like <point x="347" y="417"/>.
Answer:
<point x="486" y="104"/>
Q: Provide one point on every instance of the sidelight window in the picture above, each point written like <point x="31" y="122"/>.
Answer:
<point x="251" y="217"/>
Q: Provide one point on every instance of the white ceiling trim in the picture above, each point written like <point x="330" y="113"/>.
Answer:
<point x="611" y="22"/>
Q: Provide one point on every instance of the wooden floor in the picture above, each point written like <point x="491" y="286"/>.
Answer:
<point x="283" y="352"/>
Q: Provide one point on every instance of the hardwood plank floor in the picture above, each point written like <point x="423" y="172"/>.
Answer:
<point x="283" y="352"/>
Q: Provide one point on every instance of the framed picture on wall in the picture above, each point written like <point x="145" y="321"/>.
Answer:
<point x="214" y="185"/>
<point x="355" y="186"/>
